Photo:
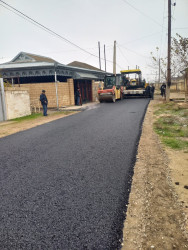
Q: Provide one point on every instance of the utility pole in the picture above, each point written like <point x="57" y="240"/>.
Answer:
<point x="159" y="69"/>
<point x="159" y="72"/>
<point x="169" y="54"/>
<point x="114" y="59"/>
<point x="105" y="57"/>
<point x="99" y="55"/>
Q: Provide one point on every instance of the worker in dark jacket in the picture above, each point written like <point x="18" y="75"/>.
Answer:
<point x="78" y="96"/>
<point x="163" y="90"/>
<point x="44" y="102"/>
<point x="152" y="90"/>
<point x="148" y="91"/>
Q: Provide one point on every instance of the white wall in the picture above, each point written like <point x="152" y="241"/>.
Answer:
<point x="17" y="103"/>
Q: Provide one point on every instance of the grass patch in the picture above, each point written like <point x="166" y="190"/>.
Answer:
<point x="64" y="112"/>
<point x="37" y="115"/>
<point x="28" y="117"/>
<point x="175" y="143"/>
<point x="172" y="124"/>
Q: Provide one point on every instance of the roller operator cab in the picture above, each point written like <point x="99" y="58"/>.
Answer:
<point x="133" y="83"/>
<point x="112" y="89"/>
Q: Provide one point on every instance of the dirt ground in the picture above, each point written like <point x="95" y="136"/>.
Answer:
<point x="11" y="127"/>
<point x="158" y="203"/>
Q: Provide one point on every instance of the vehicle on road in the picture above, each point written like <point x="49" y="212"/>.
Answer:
<point x="134" y="86"/>
<point x="112" y="89"/>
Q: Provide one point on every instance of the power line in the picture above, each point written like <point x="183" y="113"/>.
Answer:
<point x="31" y="20"/>
<point x="134" y="52"/>
<point x="138" y="39"/>
<point x="46" y="28"/>
<point x="162" y="30"/>
<point x="123" y="54"/>
<point x="24" y="18"/>
<point x="141" y="12"/>
<point x="184" y="28"/>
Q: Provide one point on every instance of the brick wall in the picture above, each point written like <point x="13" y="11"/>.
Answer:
<point x="179" y="85"/>
<point x="65" y="93"/>
<point x="95" y="87"/>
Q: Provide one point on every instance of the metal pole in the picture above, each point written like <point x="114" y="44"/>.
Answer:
<point x="99" y="55"/>
<point x="56" y="88"/>
<point x="105" y="57"/>
<point x="114" y="59"/>
<point x="169" y="53"/>
<point x="159" y="70"/>
<point x="2" y="93"/>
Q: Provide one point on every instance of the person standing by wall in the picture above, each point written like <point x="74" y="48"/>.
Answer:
<point x="78" y="95"/>
<point x="44" y="102"/>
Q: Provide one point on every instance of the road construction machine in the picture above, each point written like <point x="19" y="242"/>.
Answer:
<point x="112" y="89"/>
<point x="134" y="86"/>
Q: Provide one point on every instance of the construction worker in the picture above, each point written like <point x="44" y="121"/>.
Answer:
<point x="148" y="92"/>
<point x="78" y="95"/>
<point x="152" y="90"/>
<point x="44" y="102"/>
<point x="163" y="90"/>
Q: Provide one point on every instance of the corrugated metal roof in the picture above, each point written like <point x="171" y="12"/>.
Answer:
<point x="84" y="76"/>
<point x="23" y="57"/>
<point x="83" y="65"/>
<point x="41" y="58"/>
<point x="25" y="65"/>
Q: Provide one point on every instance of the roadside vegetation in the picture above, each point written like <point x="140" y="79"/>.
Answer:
<point x="172" y="124"/>
<point x="37" y="115"/>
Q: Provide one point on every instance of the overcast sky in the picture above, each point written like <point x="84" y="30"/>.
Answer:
<point x="137" y="26"/>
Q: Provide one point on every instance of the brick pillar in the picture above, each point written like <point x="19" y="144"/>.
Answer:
<point x="95" y="86"/>
<point x="71" y="91"/>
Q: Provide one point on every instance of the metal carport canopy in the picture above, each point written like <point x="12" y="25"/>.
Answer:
<point x="84" y="76"/>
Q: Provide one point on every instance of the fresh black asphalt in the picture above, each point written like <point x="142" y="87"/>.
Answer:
<point x="65" y="184"/>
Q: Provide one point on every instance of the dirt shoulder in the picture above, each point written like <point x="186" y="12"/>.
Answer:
<point x="157" y="211"/>
<point x="11" y="127"/>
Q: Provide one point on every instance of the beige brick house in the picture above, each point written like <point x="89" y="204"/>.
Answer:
<point x="34" y="73"/>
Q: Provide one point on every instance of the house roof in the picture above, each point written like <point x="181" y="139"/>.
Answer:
<point x="29" y="65"/>
<point x="83" y="65"/>
<point x="24" y="57"/>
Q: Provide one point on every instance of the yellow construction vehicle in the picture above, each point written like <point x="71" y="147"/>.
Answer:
<point x="112" y="89"/>
<point x="134" y="86"/>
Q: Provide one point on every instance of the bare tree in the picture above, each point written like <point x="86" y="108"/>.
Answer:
<point x="179" y="58"/>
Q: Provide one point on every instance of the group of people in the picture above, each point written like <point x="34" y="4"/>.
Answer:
<point x="150" y="91"/>
<point x="44" y="100"/>
<point x="78" y="99"/>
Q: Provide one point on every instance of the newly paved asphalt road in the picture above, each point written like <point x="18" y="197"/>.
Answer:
<point x="65" y="184"/>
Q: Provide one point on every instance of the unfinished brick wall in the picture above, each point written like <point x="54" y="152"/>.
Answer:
<point x="178" y="85"/>
<point x="95" y="87"/>
<point x="65" y="93"/>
